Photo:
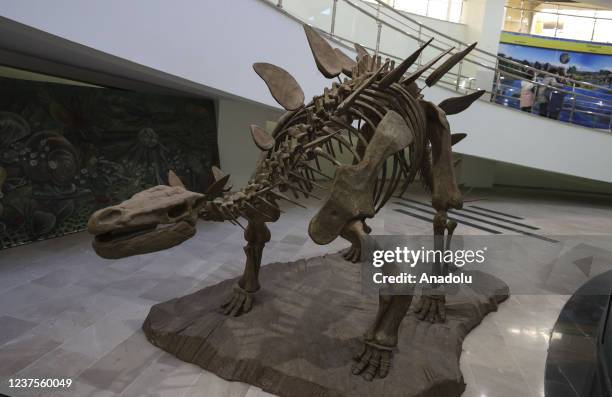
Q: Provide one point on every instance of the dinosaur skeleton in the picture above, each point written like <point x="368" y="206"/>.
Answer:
<point x="378" y="117"/>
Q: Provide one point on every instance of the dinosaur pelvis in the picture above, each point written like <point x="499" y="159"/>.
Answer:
<point x="352" y="193"/>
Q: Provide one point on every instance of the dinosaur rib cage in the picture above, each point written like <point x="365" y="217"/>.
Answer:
<point x="294" y="162"/>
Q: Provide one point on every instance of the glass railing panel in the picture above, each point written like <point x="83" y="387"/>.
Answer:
<point x="354" y="25"/>
<point x="602" y="30"/>
<point x="395" y="43"/>
<point x="317" y="13"/>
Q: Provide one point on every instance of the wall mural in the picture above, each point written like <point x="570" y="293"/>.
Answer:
<point x="68" y="150"/>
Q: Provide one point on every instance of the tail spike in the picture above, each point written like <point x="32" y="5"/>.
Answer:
<point x="457" y="137"/>
<point x="414" y="76"/>
<point x="459" y="104"/>
<point x="397" y="73"/>
<point x="441" y="70"/>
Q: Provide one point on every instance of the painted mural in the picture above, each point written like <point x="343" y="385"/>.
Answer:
<point x="578" y="60"/>
<point x="68" y="150"/>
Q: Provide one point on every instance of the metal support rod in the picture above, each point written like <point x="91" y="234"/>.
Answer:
<point x="494" y="96"/>
<point x="333" y="17"/>
<point x="535" y="92"/>
<point x="458" y="69"/>
<point x="571" y="117"/>
<point x="419" y="61"/>
<point x="279" y="4"/>
<point x="379" y="24"/>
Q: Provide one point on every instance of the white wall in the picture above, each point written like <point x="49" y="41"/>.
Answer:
<point x="509" y="135"/>
<point x="215" y="43"/>
<point x="237" y="151"/>
<point x="484" y="21"/>
<point x="483" y="173"/>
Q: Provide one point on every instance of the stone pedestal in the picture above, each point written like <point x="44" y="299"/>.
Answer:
<point x="305" y="327"/>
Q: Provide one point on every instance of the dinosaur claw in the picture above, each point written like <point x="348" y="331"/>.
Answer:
<point x="240" y="302"/>
<point x="373" y="362"/>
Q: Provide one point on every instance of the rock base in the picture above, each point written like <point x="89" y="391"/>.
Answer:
<point x="305" y="327"/>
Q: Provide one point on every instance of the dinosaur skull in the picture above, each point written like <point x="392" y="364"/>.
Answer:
<point x="152" y="220"/>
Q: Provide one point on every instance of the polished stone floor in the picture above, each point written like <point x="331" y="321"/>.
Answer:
<point x="66" y="313"/>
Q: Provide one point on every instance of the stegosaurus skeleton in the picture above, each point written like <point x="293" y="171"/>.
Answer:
<point x="374" y="114"/>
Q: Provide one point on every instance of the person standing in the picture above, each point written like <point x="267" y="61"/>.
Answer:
<point x="555" y="105"/>
<point x="527" y="93"/>
<point x="543" y="92"/>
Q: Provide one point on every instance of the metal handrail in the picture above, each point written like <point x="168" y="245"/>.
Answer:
<point x="421" y="27"/>
<point x="558" y="13"/>
<point x="455" y="81"/>
<point x="494" y="57"/>
<point x="419" y="40"/>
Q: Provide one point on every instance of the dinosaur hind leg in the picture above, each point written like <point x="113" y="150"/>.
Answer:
<point x="375" y="358"/>
<point x="240" y="301"/>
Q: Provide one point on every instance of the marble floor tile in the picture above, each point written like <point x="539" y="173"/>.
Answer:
<point x="12" y="327"/>
<point x="167" y="376"/>
<point x="116" y="370"/>
<point x="21" y="352"/>
<point x="66" y="312"/>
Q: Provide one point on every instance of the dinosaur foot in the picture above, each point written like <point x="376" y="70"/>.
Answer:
<point x="431" y="308"/>
<point x="353" y="254"/>
<point x="239" y="302"/>
<point x="374" y="361"/>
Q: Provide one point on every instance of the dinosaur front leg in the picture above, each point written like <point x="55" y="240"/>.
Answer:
<point x="446" y="194"/>
<point x="355" y="232"/>
<point x="375" y="358"/>
<point x="257" y="235"/>
<point x="431" y="305"/>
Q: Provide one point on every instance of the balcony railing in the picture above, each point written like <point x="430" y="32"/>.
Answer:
<point x="390" y="33"/>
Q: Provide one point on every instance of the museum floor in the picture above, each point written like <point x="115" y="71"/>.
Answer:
<point x="64" y="312"/>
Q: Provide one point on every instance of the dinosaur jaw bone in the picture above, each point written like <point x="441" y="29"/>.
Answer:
<point x="122" y="243"/>
<point x="152" y="220"/>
